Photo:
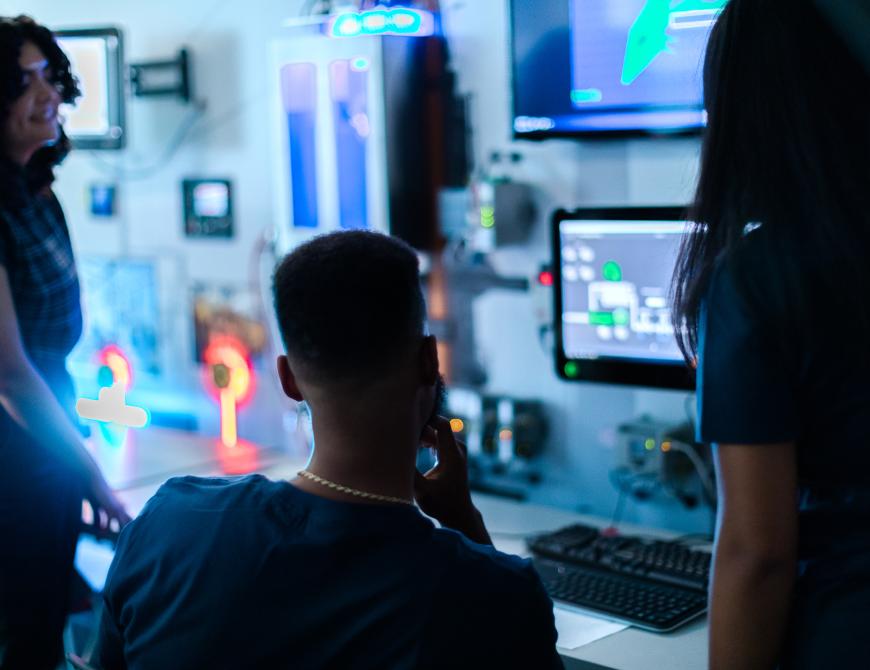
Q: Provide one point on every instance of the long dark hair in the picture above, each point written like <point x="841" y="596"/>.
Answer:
<point x="787" y="152"/>
<point x="14" y="32"/>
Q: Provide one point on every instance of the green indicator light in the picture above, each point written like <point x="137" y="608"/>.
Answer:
<point x="620" y="317"/>
<point x="572" y="369"/>
<point x="487" y="216"/>
<point x="650" y="444"/>
<point x="360" y="64"/>
<point x="612" y="271"/>
<point x="601" y="318"/>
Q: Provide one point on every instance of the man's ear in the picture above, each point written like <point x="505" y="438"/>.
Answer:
<point x="429" y="360"/>
<point x="288" y="379"/>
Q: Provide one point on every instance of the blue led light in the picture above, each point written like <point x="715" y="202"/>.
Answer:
<point x="349" y="25"/>
<point x="382" y="21"/>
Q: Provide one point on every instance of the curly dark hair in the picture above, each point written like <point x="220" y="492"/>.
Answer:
<point x="349" y="304"/>
<point x="14" y="32"/>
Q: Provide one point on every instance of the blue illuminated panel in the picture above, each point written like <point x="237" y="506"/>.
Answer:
<point x="400" y="21"/>
<point x="299" y="94"/>
<point x="348" y="80"/>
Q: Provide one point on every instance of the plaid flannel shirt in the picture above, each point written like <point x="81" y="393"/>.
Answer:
<point x="36" y="252"/>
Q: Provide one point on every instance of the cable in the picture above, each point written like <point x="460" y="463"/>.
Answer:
<point x="691" y="416"/>
<point x="265" y="247"/>
<point x="616" y="517"/>
<point x="232" y="113"/>
<point x="546" y="335"/>
<point x="204" y="21"/>
<point x="641" y="486"/>
<point x="702" y="470"/>
<point x="166" y="156"/>
<point x="306" y="8"/>
<point x="316" y="7"/>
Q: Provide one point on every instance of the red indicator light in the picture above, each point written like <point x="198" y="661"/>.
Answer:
<point x="545" y="278"/>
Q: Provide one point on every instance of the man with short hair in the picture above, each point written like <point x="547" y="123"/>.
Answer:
<point x="336" y="568"/>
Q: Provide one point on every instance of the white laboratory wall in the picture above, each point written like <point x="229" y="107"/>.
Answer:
<point x="229" y="45"/>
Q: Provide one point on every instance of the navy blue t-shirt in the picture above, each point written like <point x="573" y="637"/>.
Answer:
<point x="760" y="383"/>
<point x="252" y="573"/>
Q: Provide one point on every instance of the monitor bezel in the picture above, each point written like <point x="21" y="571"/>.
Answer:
<point x="117" y="88"/>
<point x="647" y="374"/>
<point x="603" y="135"/>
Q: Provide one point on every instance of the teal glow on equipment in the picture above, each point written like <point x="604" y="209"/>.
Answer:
<point x="400" y="21"/>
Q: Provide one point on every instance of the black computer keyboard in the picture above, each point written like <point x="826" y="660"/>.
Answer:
<point x="652" y="584"/>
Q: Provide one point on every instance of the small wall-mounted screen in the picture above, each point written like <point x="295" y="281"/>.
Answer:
<point x="97" y="119"/>
<point x="208" y="208"/>
<point x="613" y="276"/>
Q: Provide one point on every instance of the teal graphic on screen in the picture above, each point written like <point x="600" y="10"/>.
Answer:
<point x="639" y="52"/>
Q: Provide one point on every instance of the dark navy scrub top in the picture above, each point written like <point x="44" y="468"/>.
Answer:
<point x="757" y="386"/>
<point x="251" y="573"/>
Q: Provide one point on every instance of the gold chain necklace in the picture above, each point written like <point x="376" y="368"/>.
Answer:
<point x="353" y="492"/>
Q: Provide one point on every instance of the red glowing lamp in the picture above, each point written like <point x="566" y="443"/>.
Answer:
<point x="229" y="377"/>
<point x="115" y="359"/>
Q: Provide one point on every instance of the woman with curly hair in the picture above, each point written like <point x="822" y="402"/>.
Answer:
<point x="45" y="470"/>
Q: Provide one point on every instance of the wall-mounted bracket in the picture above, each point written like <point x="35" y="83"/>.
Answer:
<point x="169" y="77"/>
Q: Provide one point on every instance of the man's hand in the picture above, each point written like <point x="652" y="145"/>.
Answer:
<point x="443" y="492"/>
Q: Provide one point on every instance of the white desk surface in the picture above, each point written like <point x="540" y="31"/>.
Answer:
<point x="140" y="466"/>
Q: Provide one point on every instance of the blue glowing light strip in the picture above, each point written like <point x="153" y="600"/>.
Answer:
<point x="382" y="21"/>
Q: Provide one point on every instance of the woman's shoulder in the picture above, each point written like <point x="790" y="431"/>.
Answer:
<point x="746" y="272"/>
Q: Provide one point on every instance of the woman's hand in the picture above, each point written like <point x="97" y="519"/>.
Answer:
<point x="109" y="515"/>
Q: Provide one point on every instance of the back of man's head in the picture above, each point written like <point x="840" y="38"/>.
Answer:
<point x="349" y="306"/>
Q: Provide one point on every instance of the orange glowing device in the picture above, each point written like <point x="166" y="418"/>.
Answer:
<point x="230" y="378"/>
<point x="114" y="359"/>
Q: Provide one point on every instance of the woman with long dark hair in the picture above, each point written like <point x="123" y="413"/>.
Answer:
<point x="45" y="470"/>
<point x="772" y="303"/>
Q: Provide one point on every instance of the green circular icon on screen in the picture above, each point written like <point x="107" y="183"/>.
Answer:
<point x="620" y="317"/>
<point x="612" y="271"/>
<point x="572" y="369"/>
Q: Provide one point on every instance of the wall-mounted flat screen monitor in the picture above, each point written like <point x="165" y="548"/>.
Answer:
<point x="612" y="277"/>
<point x="97" y="119"/>
<point x="609" y="67"/>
